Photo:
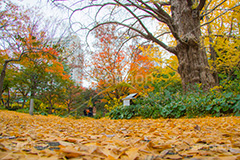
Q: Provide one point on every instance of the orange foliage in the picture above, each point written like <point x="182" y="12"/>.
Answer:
<point x="140" y="73"/>
<point x="118" y="73"/>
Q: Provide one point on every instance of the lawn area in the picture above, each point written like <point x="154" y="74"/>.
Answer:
<point x="49" y="137"/>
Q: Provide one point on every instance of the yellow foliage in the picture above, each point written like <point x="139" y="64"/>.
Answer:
<point x="113" y="103"/>
<point x="163" y="66"/>
<point x="224" y="33"/>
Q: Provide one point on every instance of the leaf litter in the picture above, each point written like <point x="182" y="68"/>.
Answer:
<point x="49" y="137"/>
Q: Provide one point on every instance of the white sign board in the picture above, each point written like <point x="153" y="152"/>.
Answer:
<point x="126" y="102"/>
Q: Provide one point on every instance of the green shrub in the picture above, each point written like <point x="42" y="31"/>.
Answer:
<point x="99" y="115"/>
<point x="24" y="110"/>
<point x="168" y="105"/>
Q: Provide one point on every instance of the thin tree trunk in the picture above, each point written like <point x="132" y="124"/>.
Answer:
<point x="50" y="109"/>
<point x="212" y="52"/>
<point x="69" y="109"/>
<point x="193" y="63"/>
<point x="8" y="99"/>
<point x="23" y="104"/>
<point x="3" y="73"/>
<point x="31" y="108"/>
<point x="3" y="102"/>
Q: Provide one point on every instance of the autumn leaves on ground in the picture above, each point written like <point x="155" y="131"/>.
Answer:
<point x="49" y="137"/>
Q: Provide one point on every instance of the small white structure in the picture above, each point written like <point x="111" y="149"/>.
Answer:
<point x="127" y="100"/>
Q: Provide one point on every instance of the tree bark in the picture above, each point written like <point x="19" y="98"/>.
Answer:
<point x="31" y="108"/>
<point x="50" y="109"/>
<point x="193" y="62"/>
<point x="8" y="99"/>
<point x="68" y="107"/>
<point x="3" y="73"/>
<point x="23" y="103"/>
<point x="212" y="52"/>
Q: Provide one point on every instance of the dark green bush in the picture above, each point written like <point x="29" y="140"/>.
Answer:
<point x="177" y="105"/>
<point x="99" y="115"/>
<point x="24" y="110"/>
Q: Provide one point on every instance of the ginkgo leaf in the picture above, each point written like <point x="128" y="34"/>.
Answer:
<point x="133" y="153"/>
<point x="145" y="138"/>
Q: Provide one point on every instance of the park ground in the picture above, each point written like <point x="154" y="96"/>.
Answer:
<point x="23" y="136"/>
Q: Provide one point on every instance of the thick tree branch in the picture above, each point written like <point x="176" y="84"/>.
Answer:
<point x="16" y="60"/>
<point x="201" y="5"/>
<point x="189" y="3"/>
<point x="160" y="13"/>
<point x="169" y="21"/>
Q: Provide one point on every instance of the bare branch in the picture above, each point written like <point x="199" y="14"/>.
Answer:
<point x="4" y="25"/>
<point x="222" y="36"/>
<point x="163" y="34"/>
<point x="219" y="15"/>
<point x="161" y="13"/>
<point x="140" y="22"/>
<point x="103" y="7"/>
<point x="171" y="68"/>
<point x="146" y="36"/>
<point x="16" y="60"/>
<point x="126" y="42"/>
<point x="213" y="8"/>
<point x="162" y="16"/>
<point x="206" y="6"/>
<point x="165" y="3"/>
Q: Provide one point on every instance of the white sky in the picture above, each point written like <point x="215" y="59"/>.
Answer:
<point x="45" y="6"/>
<point x="50" y="11"/>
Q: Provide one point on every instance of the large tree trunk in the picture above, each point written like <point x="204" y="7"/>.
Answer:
<point x="193" y="63"/>
<point x="3" y="74"/>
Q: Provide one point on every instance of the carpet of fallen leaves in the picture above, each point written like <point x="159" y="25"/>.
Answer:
<point x="49" y="137"/>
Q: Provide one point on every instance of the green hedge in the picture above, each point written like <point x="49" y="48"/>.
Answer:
<point x="169" y="105"/>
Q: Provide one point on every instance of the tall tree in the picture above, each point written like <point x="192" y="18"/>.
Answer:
<point x="71" y="95"/>
<point x="140" y="70"/>
<point x="108" y="67"/>
<point x="10" y="49"/>
<point x="222" y="39"/>
<point x="25" y="34"/>
<point x="182" y="18"/>
<point x="52" y="90"/>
